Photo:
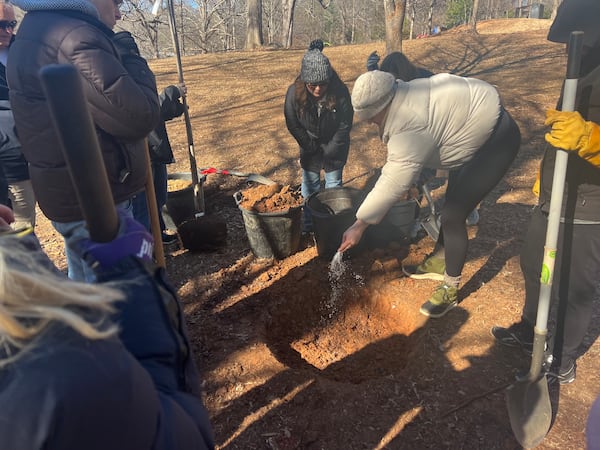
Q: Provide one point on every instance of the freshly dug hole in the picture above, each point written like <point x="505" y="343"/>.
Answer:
<point x="357" y="330"/>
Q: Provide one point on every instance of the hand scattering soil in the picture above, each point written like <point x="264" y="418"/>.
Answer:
<point x="270" y="198"/>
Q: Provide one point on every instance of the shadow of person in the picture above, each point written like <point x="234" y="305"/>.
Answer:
<point x="496" y="241"/>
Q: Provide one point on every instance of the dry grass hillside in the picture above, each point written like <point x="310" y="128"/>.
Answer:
<point x="236" y="99"/>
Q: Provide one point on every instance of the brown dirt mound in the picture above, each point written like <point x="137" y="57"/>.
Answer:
<point x="270" y="198"/>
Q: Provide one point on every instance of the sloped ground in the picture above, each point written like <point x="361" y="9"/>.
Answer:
<point x="290" y="359"/>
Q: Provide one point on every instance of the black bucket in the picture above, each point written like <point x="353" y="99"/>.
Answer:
<point x="396" y="226"/>
<point x="272" y="235"/>
<point x="333" y="210"/>
<point x="180" y="203"/>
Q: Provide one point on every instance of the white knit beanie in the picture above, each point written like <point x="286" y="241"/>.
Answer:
<point x="372" y="92"/>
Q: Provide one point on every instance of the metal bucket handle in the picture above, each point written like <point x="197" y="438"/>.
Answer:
<point x="238" y="197"/>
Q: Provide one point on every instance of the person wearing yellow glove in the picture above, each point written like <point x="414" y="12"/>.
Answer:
<point x="572" y="132"/>
<point x="577" y="266"/>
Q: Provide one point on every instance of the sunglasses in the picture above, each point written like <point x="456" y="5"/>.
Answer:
<point x="314" y="86"/>
<point x="8" y="24"/>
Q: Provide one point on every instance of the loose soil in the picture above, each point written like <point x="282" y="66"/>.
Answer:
<point x="270" y="198"/>
<point x="291" y="359"/>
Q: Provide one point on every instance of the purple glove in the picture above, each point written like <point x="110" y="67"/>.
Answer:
<point x="132" y="240"/>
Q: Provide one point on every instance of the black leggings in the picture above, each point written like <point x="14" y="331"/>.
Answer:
<point x="469" y="184"/>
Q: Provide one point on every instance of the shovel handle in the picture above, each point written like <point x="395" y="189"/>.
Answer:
<point x="198" y="196"/>
<point x="153" y="212"/>
<point x="558" y="184"/>
<point x="77" y="136"/>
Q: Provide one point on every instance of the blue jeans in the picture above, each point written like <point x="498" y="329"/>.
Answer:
<point x="140" y="207"/>
<point x="72" y="232"/>
<point x="311" y="183"/>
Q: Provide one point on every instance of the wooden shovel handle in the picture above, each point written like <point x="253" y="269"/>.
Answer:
<point x="77" y="136"/>
<point x="159" y="252"/>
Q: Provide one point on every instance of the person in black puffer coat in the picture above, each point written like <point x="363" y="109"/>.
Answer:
<point x="318" y="114"/>
<point x="120" y="91"/>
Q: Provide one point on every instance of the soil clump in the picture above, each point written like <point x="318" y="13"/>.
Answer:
<point x="270" y="198"/>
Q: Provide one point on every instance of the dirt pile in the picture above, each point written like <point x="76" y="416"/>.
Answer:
<point x="270" y="198"/>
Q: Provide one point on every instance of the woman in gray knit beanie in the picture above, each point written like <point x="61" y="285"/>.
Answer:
<point x="318" y="114"/>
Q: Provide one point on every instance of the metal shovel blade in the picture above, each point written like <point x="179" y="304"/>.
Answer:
<point x="528" y="399"/>
<point x="260" y="179"/>
<point x="431" y="227"/>
<point x="529" y="410"/>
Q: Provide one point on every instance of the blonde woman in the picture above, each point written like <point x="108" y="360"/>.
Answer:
<point x="93" y="366"/>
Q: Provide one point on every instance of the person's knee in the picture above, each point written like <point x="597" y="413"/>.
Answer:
<point x="454" y="218"/>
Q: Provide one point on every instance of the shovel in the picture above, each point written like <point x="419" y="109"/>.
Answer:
<point x="528" y="400"/>
<point x="250" y="176"/>
<point x="199" y="232"/>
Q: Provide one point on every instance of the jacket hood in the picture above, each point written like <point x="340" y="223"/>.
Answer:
<point x="83" y="6"/>
<point x="577" y="15"/>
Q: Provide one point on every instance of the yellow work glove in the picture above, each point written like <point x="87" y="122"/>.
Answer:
<point x="572" y="133"/>
<point x="536" y="186"/>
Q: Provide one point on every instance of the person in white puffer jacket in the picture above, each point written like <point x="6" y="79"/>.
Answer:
<point x="442" y="122"/>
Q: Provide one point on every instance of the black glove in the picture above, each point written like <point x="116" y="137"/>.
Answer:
<point x="125" y="44"/>
<point x="316" y="44"/>
<point x="373" y="61"/>
<point x="170" y="106"/>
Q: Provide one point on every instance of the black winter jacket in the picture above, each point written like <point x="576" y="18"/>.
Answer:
<point x="121" y="95"/>
<point x="158" y="140"/>
<point x="136" y="392"/>
<point x="324" y="139"/>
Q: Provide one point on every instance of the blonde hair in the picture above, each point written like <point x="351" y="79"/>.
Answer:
<point x="33" y="296"/>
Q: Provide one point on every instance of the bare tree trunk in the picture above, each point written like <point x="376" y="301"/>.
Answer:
<point x="254" y="37"/>
<point x="410" y="7"/>
<point x="555" y="6"/>
<point x="430" y="17"/>
<point x="473" y="20"/>
<point x="394" y="19"/>
<point x="288" y="22"/>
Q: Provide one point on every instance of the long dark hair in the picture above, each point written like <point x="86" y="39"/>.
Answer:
<point x="398" y="65"/>
<point x="304" y="98"/>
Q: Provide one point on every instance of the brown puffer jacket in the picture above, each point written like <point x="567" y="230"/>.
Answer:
<point x="121" y="95"/>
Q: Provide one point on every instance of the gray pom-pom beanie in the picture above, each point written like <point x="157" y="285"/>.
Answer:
<point x="372" y="92"/>
<point x="315" y="68"/>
